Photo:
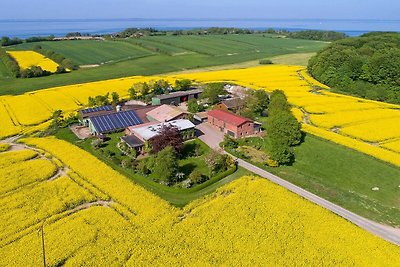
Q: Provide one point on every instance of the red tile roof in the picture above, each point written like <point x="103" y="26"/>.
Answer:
<point x="228" y="117"/>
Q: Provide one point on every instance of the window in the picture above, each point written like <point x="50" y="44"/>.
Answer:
<point x="224" y="125"/>
<point x="213" y="121"/>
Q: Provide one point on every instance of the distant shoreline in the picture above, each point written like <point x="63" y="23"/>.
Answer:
<point x="24" y="28"/>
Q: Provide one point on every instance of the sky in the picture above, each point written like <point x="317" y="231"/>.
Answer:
<point x="201" y="9"/>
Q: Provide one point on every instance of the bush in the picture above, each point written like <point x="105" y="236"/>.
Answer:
<point x="97" y="143"/>
<point x="265" y="61"/>
<point x="186" y="183"/>
<point x="142" y="167"/>
<point x="196" y="177"/>
<point x="126" y="163"/>
<point x="272" y="163"/>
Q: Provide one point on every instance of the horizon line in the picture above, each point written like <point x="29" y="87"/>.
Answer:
<point x="202" y="19"/>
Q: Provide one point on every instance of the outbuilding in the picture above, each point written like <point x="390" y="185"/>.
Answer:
<point x="175" y="98"/>
<point x="232" y="124"/>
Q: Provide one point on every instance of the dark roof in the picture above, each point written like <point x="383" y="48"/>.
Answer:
<point x="179" y="94"/>
<point x="141" y="112"/>
<point x="132" y="141"/>
<point x="96" y="109"/>
<point x="115" y="121"/>
<point x="228" y="117"/>
<point x="233" y="103"/>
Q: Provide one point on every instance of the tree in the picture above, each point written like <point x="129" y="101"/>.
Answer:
<point x="114" y="99"/>
<point x="182" y="85"/>
<point x="132" y="93"/>
<point x="284" y="126"/>
<point x="280" y="152"/>
<point x="212" y="92"/>
<point x="278" y="102"/>
<point x="165" y="165"/>
<point x="145" y="89"/>
<point x="139" y="88"/>
<point x="159" y="87"/>
<point x="193" y="106"/>
<point x="216" y="162"/>
<point x="283" y="130"/>
<point x="256" y="103"/>
<point x="168" y="136"/>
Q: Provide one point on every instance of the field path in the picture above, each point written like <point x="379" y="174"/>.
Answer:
<point x="212" y="138"/>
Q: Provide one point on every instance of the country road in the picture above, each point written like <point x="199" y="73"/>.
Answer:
<point x="212" y="138"/>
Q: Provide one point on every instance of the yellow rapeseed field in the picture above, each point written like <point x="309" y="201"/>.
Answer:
<point x="27" y="59"/>
<point x="250" y="221"/>
<point x="347" y="120"/>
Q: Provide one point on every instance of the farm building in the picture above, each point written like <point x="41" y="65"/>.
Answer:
<point x="165" y="113"/>
<point x="176" y="98"/>
<point x="113" y="122"/>
<point x="232" y="124"/>
<point x="201" y="116"/>
<point x="136" y="136"/>
<point x="231" y="104"/>
<point x="85" y="114"/>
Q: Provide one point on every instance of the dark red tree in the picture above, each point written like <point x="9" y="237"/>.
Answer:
<point x="168" y="136"/>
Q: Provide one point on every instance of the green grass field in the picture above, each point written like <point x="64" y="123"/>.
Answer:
<point x="158" y="47"/>
<point x="345" y="177"/>
<point x="256" y="45"/>
<point x="174" y="54"/>
<point x="86" y="52"/>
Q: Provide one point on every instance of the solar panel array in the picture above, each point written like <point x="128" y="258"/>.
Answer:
<point x="115" y="121"/>
<point x="95" y="109"/>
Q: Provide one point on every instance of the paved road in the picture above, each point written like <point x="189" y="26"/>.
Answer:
<point x="212" y="138"/>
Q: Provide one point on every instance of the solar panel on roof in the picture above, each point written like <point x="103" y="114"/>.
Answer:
<point x="95" y="109"/>
<point x="115" y="121"/>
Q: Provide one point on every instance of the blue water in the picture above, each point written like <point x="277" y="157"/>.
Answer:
<point x="29" y="28"/>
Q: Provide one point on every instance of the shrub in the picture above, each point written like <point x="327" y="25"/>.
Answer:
<point x="265" y="61"/>
<point x="126" y="163"/>
<point x="196" y="177"/>
<point x="97" y="143"/>
<point x="272" y="163"/>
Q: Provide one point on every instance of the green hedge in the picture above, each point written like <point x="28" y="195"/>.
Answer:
<point x="58" y="58"/>
<point x="10" y="63"/>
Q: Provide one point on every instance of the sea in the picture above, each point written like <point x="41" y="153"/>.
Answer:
<point x="60" y="27"/>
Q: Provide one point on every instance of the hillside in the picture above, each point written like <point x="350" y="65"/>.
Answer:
<point x="153" y="55"/>
<point x="366" y="66"/>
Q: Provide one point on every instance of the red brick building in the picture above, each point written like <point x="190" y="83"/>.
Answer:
<point x="232" y="124"/>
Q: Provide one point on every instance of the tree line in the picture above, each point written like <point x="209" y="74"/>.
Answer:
<point x="10" y="63"/>
<point x="305" y="34"/>
<point x="64" y="63"/>
<point x="367" y="66"/>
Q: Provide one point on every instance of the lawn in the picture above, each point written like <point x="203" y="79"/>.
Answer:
<point x="345" y="177"/>
<point x="85" y="52"/>
<point x="175" y="53"/>
<point x="176" y="196"/>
